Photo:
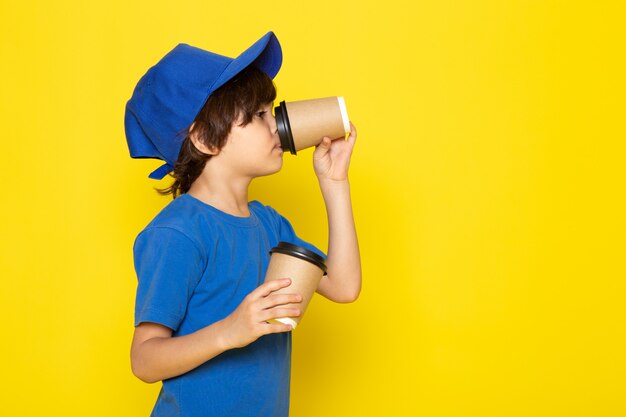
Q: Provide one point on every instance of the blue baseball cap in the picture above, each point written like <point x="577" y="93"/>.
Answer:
<point x="170" y="94"/>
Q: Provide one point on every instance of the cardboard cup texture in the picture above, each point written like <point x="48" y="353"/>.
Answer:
<point x="305" y="276"/>
<point x="303" y="124"/>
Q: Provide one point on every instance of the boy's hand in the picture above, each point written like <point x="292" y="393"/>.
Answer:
<point x="249" y="321"/>
<point x="331" y="158"/>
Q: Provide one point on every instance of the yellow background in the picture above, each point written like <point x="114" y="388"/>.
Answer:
<point x="487" y="181"/>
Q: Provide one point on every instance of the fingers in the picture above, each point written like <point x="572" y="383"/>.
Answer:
<point x="352" y="136"/>
<point x="277" y="328"/>
<point x="274" y="300"/>
<point x="269" y="287"/>
<point x="278" y="312"/>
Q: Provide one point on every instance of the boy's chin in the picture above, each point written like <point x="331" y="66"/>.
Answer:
<point x="276" y="171"/>
<point x="271" y="172"/>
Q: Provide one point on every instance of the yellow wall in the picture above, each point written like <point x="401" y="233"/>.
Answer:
<point x="488" y="186"/>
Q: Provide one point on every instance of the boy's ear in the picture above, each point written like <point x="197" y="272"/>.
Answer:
<point x="212" y="150"/>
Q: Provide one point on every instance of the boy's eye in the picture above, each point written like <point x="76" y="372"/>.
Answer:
<point x="261" y="113"/>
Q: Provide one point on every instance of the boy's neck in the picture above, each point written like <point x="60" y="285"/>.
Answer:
<point x="229" y="195"/>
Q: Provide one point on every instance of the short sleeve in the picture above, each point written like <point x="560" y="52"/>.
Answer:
<point x="287" y="234"/>
<point x="169" y="265"/>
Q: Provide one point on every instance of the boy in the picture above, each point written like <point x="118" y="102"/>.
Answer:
<point x="202" y="308"/>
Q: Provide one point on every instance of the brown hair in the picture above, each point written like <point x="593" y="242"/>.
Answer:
<point x="244" y="95"/>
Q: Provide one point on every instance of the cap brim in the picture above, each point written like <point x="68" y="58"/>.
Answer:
<point x="266" y="54"/>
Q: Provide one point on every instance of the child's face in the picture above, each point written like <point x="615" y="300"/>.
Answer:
<point x="254" y="150"/>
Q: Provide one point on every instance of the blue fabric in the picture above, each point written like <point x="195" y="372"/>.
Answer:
<point x="171" y="93"/>
<point x="195" y="264"/>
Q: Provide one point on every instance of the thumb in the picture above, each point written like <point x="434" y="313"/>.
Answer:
<point x="324" y="146"/>
<point x="322" y="149"/>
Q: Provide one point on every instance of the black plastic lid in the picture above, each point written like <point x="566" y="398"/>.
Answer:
<point x="300" y="252"/>
<point x="284" y="128"/>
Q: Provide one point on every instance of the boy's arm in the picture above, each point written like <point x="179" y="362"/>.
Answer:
<point x="331" y="160"/>
<point x="156" y="355"/>
<point x="342" y="283"/>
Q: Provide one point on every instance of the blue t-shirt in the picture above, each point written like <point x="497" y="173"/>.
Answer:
<point x="195" y="264"/>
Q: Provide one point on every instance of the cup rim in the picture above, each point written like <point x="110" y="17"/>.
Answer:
<point x="296" y="251"/>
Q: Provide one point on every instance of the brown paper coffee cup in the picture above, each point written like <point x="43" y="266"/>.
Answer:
<point x="302" y="124"/>
<point x="304" y="267"/>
